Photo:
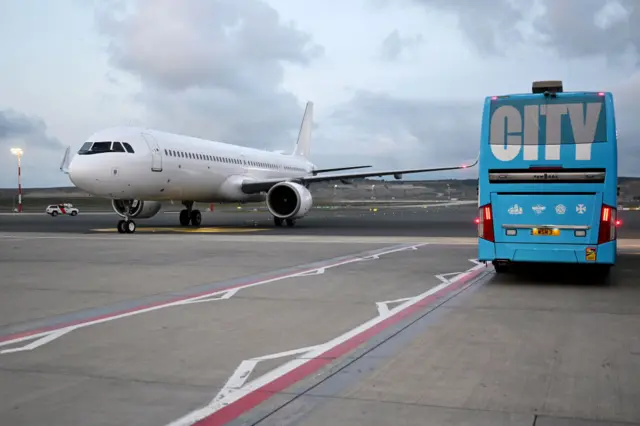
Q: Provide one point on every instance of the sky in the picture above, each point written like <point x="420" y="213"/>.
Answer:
<point x="395" y="83"/>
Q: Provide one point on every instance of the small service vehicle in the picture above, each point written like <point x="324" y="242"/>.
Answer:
<point x="56" y="209"/>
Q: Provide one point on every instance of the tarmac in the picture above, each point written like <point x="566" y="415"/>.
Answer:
<point x="353" y="317"/>
<point x="380" y="220"/>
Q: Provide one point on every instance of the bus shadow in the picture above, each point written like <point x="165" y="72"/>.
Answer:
<point x="558" y="274"/>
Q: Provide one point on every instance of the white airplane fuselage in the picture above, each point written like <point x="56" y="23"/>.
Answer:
<point x="139" y="169"/>
<point x="165" y="166"/>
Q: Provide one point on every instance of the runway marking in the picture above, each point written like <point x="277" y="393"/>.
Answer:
<point x="237" y="396"/>
<point x="204" y="230"/>
<point x="47" y="335"/>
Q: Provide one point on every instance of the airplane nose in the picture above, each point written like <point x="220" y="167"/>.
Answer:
<point x="78" y="173"/>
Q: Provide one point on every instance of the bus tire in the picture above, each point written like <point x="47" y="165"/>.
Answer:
<point x="501" y="268"/>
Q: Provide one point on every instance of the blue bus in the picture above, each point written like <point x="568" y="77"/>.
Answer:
<point x="548" y="178"/>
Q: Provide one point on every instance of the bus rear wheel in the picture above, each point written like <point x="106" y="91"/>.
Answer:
<point x="500" y="267"/>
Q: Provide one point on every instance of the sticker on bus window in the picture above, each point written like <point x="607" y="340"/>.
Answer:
<point x="590" y="254"/>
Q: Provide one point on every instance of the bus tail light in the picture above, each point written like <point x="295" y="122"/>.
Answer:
<point x="608" y="223"/>
<point x="485" y="223"/>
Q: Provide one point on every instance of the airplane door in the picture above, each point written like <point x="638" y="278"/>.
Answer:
<point x="244" y="164"/>
<point x="156" y="155"/>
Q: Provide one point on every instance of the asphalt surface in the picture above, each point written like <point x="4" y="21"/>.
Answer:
<point x="322" y="327"/>
<point x="450" y="221"/>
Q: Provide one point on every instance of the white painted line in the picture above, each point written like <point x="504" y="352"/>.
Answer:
<point x="246" y="367"/>
<point x="383" y="307"/>
<point x="226" y="295"/>
<point x="51" y="335"/>
<point x="229" y="395"/>
<point x="48" y="337"/>
<point x="443" y="277"/>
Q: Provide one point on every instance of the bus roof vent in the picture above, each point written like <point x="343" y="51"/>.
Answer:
<point x="550" y="86"/>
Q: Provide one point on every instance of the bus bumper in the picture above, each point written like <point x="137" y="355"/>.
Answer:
<point x="556" y="253"/>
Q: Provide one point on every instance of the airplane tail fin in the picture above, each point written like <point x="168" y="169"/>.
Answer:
<point x="303" y="144"/>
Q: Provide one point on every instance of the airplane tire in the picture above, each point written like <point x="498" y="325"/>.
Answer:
<point x="184" y="217"/>
<point x="130" y="227"/>
<point x="121" y="227"/>
<point x="196" y="217"/>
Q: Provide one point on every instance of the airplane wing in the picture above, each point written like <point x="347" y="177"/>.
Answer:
<point x="252" y="187"/>
<point x="338" y="169"/>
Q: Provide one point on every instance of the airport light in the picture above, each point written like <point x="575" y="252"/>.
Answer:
<point x="18" y="153"/>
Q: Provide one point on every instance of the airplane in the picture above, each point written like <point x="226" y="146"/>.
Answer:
<point x="140" y="168"/>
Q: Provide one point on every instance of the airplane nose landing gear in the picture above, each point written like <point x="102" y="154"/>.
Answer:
<point x="126" y="227"/>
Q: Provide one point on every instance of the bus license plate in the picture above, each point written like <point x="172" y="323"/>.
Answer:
<point x="548" y="232"/>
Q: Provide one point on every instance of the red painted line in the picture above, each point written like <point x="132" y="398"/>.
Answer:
<point x="253" y="399"/>
<point x="166" y="302"/>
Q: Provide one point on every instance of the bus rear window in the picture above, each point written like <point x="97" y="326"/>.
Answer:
<point x="538" y="120"/>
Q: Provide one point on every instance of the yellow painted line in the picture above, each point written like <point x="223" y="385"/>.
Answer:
<point x="188" y="230"/>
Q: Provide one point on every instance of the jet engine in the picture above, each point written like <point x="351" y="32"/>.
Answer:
<point x="136" y="208"/>
<point x="289" y="200"/>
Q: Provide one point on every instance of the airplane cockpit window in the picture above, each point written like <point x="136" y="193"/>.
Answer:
<point x="102" y="147"/>
<point x="85" y="147"/>
<point x="99" y="147"/>
<point x="128" y="147"/>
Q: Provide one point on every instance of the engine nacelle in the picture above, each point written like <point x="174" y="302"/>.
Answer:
<point x="136" y="208"/>
<point x="289" y="200"/>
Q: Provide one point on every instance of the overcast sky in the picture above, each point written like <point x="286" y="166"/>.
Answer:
<point x="396" y="83"/>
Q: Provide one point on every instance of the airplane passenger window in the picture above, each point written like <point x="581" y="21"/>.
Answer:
<point x="117" y="147"/>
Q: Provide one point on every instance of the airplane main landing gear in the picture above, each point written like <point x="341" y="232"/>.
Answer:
<point x="126" y="227"/>
<point x="190" y="216"/>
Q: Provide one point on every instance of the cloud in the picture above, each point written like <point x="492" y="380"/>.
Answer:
<point x="579" y="28"/>
<point x="394" y="44"/>
<point x="571" y="28"/>
<point x="490" y="25"/>
<point x="17" y="129"/>
<point x="212" y="69"/>
<point x="627" y="107"/>
<point x="42" y="153"/>
<point x="395" y="132"/>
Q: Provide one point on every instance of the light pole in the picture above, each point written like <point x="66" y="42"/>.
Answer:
<point x="18" y="153"/>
